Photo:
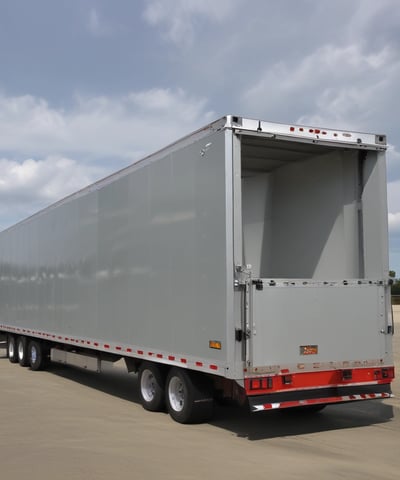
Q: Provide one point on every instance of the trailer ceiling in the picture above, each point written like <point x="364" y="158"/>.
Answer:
<point x="266" y="154"/>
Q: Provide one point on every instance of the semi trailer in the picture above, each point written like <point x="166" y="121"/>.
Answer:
<point x="246" y="261"/>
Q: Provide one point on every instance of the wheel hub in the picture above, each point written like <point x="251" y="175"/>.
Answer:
<point x="148" y="385"/>
<point x="176" y="394"/>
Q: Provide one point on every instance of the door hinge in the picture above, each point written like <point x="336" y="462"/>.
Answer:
<point x="242" y="275"/>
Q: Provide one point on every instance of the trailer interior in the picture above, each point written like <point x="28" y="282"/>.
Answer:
<point x="308" y="210"/>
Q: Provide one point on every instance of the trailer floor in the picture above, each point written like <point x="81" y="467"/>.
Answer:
<point x="70" y="424"/>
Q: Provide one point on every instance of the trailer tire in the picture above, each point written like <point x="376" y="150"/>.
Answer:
<point x="12" y="349"/>
<point x="151" y="387"/>
<point x="22" y="351"/>
<point x="37" y="355"/>
<point x="188" y="397"/>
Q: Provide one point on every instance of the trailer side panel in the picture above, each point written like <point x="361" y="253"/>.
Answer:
<point x="140" y="261"/>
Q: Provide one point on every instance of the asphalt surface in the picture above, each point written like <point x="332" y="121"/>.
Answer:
<point x="70" y="424"/>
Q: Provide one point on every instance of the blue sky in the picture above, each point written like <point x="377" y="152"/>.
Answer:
<point x="87" y="87"/>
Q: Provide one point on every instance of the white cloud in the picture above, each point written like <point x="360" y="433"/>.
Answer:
<point x="45" y="179"/>
<point x="156" y="99"/>
<point x="28" y="186"/>
<point x="122" y="126"/>
<point x="178" y="18"/>
<point x="137" y="123"/>
<point x="26" y="117"/>
<point x="333" y="86"/>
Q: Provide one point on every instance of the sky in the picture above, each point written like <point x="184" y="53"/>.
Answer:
<point x="88" y="87"/>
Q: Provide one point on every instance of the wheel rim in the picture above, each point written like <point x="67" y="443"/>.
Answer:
<point x="33" y="354"/>
<point x="11" y="351"/>
<point x="20" y="351"/>
<point x="148" y="385"/>
<point x="176" y="394"/>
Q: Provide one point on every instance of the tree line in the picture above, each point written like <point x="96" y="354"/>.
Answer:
<point x="395" y="284"/>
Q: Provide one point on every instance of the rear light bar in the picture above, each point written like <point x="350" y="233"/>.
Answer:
<point x="261" y="383"/>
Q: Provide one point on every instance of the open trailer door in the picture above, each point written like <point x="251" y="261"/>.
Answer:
<point x="314" y="234"/>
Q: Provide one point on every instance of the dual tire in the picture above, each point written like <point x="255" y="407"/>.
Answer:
<point x="189" y="398"/>
<point x="12" y="349"/>
<point x="151" y="384"/>
<point x="27" y="353"/>
<point x="22" y="351"/>
<point x="186" y="396"/>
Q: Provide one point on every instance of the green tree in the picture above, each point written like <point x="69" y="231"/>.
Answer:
<point x="396" y="287"/>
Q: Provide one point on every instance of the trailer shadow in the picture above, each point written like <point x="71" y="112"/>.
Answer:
<point x="117" y="382"/>
<point x="285" y="423"/>
<point x="238" y="420"/>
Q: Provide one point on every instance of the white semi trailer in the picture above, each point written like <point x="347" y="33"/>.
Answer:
<point x="248" y="260"/>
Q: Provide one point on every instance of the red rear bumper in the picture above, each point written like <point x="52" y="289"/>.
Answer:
<point x="288" y="390"/>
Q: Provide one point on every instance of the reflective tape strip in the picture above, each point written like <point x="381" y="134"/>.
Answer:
<point x="131" y="351"/>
